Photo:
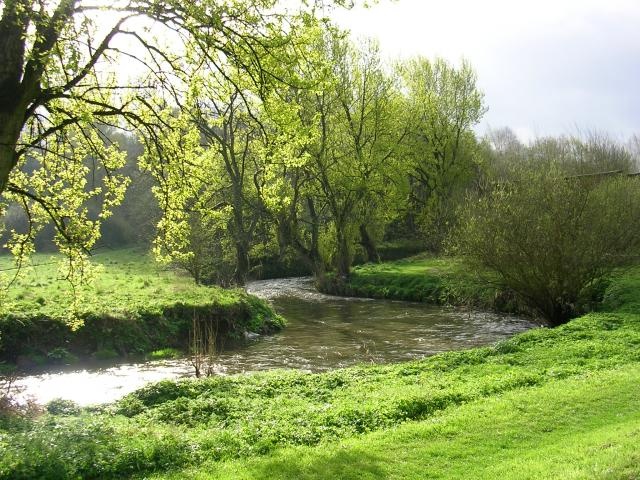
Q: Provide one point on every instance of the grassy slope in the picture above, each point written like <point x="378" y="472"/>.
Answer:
<point x="128" y="280"/>
<point x="132" y="306"/>
<point x="587" y="427"/>
<point x="541" y="399"/>
<point x="423" y="278"/>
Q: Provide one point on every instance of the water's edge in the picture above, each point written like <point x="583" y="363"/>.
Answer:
<point x="323" y="332"/>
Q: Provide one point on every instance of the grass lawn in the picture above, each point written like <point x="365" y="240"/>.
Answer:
<point x="127" y="279"/>
<point x="583" y="428"/>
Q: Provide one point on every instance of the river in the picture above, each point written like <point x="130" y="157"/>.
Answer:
<point x="323" y="332"/>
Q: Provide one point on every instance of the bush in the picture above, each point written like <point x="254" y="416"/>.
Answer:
<point x="60" y="406"/>
<point x="61" y="355"/>
<point x="553" y="238"/>
<point x="105" y="354"/>
<point x="165" y="353"/>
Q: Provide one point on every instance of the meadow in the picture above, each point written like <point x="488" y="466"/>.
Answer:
<point x="425" y="278"/>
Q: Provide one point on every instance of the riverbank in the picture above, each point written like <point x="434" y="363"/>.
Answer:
<point x="423" y="278"/>
<point x="548" y="403"/>
<point x="132" y="308"/>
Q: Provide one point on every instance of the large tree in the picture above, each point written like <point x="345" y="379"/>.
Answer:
<point x="65" y="73"/>
<point x="444" y="104"/>
<point x="346" y="181"/>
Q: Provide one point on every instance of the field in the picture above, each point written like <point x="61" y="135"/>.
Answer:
<point x="424" y="278"/>
<point x="127" y="279"/>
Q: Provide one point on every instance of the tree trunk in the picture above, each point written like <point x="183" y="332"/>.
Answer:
<point x="242" y="262"/>
<point x="13" y="28"/>
<point x="288" y="237"/>
<point x="343" y="258"/>
<point x="9" y="133"/>
<point x="369" y="246"/>
<point x="317" y="264"/>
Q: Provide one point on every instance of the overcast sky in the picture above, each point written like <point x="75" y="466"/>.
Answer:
<point x="545" y="66"/>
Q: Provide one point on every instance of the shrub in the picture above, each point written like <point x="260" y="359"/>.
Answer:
<point x="165" y="353"/>
<point x="60" y="406"/>
<point x="553" y="238"/>
<point x="61" y="355"/>
<point x="105" y="354"/>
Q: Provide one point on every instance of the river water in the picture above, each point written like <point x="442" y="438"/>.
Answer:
<point x="323" y="332"/>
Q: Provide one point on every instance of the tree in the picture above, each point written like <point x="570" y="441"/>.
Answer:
<point x="503" y="141"/>
<point x="220" y="196"/>
<point x="550" y="236"/>
<point x="227" y="128"/>
<point x="352" y="163"/>
<point x="443" y="103"/>
<point x="60" y="82"/>
<point x="225" y="168"/>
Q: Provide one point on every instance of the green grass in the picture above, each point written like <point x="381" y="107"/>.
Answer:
<point x="548" y="403"/>
<point x="583" y="428"/>
<point x="422" y="278"/>
<point x="165" y="353"/>
<point x="133" y="306"/>
<point x="522" y="405"/>
<point x="128" y="279"/>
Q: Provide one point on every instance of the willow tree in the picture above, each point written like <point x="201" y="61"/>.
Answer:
<point x="355" y="159"/>
<point x="444" y="104"/>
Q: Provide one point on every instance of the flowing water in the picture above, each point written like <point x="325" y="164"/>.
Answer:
<point x="323" y="332"/>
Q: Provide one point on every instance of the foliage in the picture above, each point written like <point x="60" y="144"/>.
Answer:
<point x="579" y="428"/>
<point x="60" y="406"/>
<point x="185" y="423"/>
<point x="342" y="189"/>
<point x="550" y="237"/>
<point x="164" y="353"/>
<point x="63" y="86"/>
<point x="443" y="104"/>
<point x="320" y="162"/>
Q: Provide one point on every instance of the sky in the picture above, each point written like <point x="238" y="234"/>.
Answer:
<point x="546" y="67"/>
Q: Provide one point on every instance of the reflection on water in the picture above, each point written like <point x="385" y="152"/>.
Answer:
<point x="323" y="332"/>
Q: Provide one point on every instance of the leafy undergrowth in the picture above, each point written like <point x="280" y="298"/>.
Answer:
<point x="423" y="278"/>
<point x="198" y="424"/>
<point x="586" y="427"/>
<point x="133" y="306"/>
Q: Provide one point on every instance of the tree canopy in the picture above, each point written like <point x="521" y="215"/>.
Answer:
<point x="262" y="127"/>
<point x="64" y="79"/>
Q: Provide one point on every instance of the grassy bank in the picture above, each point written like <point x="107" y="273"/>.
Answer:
<point x="582" y="428"/>
<point x="549" y="403"/>
<point x="423" y="278"/>
<point x="134" y="306"/>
